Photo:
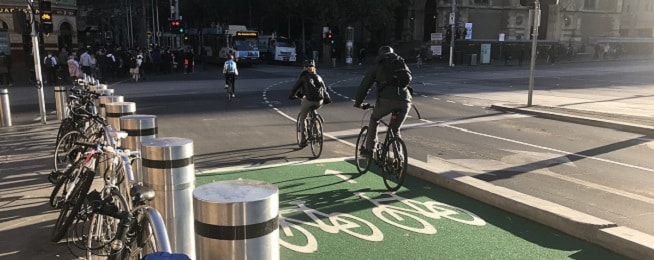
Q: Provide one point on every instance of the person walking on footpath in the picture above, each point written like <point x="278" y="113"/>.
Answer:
<point x="74" y="69"/>
<point x="50" y="67"/>
<point x="230" y="71"/>
<point x="86" y="62"/>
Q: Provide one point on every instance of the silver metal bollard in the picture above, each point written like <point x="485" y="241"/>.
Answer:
<point x="138" y="128"/>
<point x="97" y="88"/>
<point x="105" y="92"/>
<point x="5" y="109"/>
<point x="61" y="102"/>
<point x="237" y="219"/>
<point x="168" y="169"/>
<point x="115" y="110"/>
<point x="104" y="100"/>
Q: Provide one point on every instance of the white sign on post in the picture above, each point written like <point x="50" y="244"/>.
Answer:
<point x="501" y="37"/>
<point x="452" y="18"/>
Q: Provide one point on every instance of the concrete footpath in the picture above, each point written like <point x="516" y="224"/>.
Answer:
<point x="25" y="160"/>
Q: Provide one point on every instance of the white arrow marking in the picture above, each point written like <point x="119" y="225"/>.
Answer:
<point x="338" y="174"/>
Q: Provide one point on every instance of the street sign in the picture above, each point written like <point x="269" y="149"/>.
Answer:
<point x="452" y="20"/>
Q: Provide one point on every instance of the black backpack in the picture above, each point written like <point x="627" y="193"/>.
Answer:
<point x="397" y="71"/>
<point x="132" y="63"/>
<point x="315" y="89"/>
<point x="48" y="62"/>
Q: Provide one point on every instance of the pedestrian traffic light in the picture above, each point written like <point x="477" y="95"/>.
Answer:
<point x="45" y="9"/>
<point x="176" y="27"/>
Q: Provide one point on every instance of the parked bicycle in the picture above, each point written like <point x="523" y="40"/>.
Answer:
<point x="314" y="132"/>
<point x="137" y="232"/>
<point x="390" y="155"/>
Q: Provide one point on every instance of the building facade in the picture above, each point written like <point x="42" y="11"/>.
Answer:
<point x="64" y="22"/>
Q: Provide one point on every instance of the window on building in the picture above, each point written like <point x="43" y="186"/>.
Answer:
<point x="590" y="4"/>
<point x="481" y="2"/>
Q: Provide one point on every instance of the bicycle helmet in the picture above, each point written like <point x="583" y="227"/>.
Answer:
<point x="309" y="63"/>
<point x="385" y="49"/>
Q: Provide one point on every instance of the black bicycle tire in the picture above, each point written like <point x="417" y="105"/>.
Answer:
<point x="298" y="131"/>
<point x="65" y="127"/>
<point x="142" y="233"/>
<point x="76" y="201"/>
<point x="361" y="139"/>
<point x="55" y="190"/>
<point x="60" y="147"/>
<point x="317" y="138"/>
<point x="391" y="147"/>
<point x="65" y="178"/>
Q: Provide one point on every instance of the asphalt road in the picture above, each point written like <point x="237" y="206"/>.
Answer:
<point x="597" y="171"/>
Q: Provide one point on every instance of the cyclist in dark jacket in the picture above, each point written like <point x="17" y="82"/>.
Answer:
<point x="308" y="79"/>
<point x="389" y="98"/>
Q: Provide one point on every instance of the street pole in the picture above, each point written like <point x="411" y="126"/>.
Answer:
<point x="452" y="27"/>
<point x="37" y="62"/>
<point x="534" y="39"/>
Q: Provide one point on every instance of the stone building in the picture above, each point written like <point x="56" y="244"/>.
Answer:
<point x="64" y="23"/>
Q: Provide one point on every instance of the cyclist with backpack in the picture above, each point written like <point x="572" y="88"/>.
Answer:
<point x="230" y="71"/>
<point x="392" y="76"/>
<point x="312" y="87"/>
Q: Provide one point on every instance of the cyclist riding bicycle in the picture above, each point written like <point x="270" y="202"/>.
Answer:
<point x="312" y="87"/>
<point x="230" y="71"/>
<point x="391" y="97"/>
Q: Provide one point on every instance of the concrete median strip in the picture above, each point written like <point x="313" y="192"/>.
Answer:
<point x="622" y="240"/>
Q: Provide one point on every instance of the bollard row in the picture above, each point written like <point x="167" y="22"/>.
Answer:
<point x="223" y="220"/>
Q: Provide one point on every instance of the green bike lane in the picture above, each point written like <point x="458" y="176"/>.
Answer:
<point x="329" y="211"/>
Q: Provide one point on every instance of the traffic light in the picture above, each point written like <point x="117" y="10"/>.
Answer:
<point x="45" y="9"/>
<point x="186" y="40"/>
<point x="330" y="38"/>
<point x="448" y="35"/>
<point x="21" y="25"/>
<point x="176" y="27"/>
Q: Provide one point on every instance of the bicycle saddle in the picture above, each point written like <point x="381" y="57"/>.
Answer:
<point x="142" y="193"/>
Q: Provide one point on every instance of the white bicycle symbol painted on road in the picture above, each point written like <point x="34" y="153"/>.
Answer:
<point x="305" y="242"/>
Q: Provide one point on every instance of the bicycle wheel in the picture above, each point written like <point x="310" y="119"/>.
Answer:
<point x="65" y="179"/>
<point x="394" y="164"/>
<point x="71" y="207"/>
<point x="65" y="127"/>
<point x="102" y="229"/>
<point x="298" y="131"/>
<point x="141" y="239"/>
<point x="66" y="151"/>
<point x="362" y="162"/>
<point x="316" y="138"/>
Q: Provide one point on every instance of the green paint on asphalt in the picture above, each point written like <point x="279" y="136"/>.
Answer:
<point x="330" y="212"/>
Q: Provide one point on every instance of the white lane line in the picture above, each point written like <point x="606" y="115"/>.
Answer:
<point x="339" y="175"/>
